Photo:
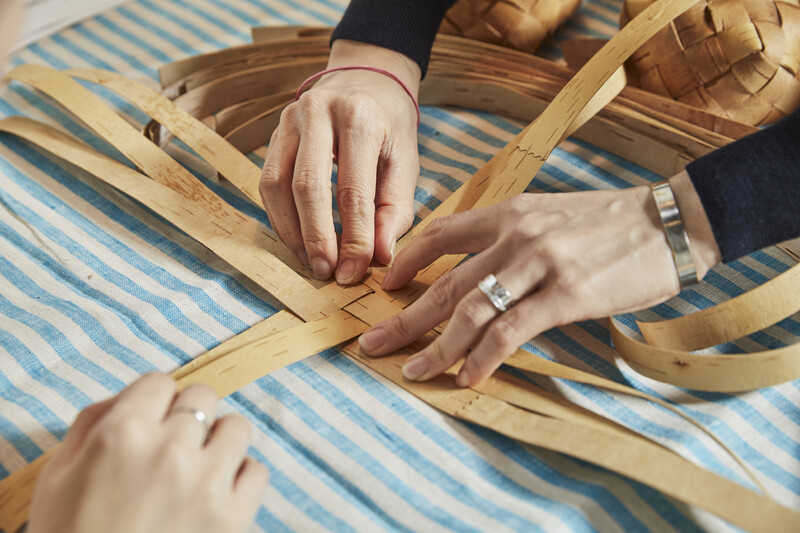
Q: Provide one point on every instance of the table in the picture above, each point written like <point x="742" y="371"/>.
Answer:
<point x="96" y="290"/>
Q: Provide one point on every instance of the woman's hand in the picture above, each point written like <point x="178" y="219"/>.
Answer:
<point x="368" y="122"/>
<point x="563" y="257"/>
<point x="141" y="463"/>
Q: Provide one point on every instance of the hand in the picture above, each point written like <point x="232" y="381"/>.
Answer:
<point x="564" y="257"/>
<point x="130" y="465"/>
<point x="368" y="123"/>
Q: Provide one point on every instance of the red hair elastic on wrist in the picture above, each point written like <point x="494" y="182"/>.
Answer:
<point x="386" y="73"/>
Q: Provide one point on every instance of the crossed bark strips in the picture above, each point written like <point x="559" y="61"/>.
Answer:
<point x="503" y="404"/>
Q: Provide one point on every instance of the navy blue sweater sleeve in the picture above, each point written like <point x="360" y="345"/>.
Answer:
<point x="750" y="189"/>
<point x="406" y="26"/>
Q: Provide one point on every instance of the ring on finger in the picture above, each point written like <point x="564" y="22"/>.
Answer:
<point x="197" y="414"/>
<point x="498" y="295"/>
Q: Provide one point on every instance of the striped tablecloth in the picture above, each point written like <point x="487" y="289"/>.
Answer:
<point x="96" y="290"/>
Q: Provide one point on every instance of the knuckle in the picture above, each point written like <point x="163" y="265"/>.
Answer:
<point x="270" y="176"/>
<point x="522" y="231"/>
<point x="518" y="206"/>
<point x="361" y="115"/>
<point x="442" y="292"/>
<point x="314" y="244"/>
<point x="353" y="201"/>
<point x="502" y="334"/>
<point x="437" y="229"/>
<point x="202" y="392"/>
<point x="550" y="248"/>
<point x="437" y="356"/>
<point x="118" y="433"/>
<point x="553" y="243"/>
<point x="355" y="247"/>
<point x="289" y="113"/>
<point x="306" y="184"/>
<point x="290" y="235"/>
<point x="403" y="326"/>
<point x="573" y="285"/>
<point x="161" y="382"/>
<point x="310" y="104"/>
<point x="469" y="312"/>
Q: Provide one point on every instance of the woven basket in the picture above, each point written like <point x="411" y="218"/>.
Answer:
<point x="735" y="58"/>
<point x="520" y="24"/>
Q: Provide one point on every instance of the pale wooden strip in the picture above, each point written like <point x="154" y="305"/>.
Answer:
<point x="709" y="372"/>
<point x="512" y="393"/>
<point x="278" y="322"/>
<point x="531" y="363"/>
<point x="365" y="308"/>
<point x="231" y="163"/>
<point x="173" y="73"/>
<point x="492" y="421"/>
<point x="636" y="458"/>
<point x="237" y="239"/>
<point x="244" y="365"/>
<point x="250" y="135"/>
<point x="750" y="312"/>
<point x="215" y="150"/>
<point x="232" y="117"/>
<point x="524" y="157"/>
<point x="91" y="110"/>
<point x="439" y="394"/>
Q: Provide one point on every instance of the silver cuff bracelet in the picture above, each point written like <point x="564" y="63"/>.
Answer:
<point x="676" y="234"/>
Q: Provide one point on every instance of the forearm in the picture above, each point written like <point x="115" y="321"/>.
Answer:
<point x="405" y="26"/>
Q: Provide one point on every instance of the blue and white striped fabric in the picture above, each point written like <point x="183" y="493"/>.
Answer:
<point x="96" y="290"/>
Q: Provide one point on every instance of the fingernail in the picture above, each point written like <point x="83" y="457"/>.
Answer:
<point x="372" y="340"/>
<point x="415" y="368"/>
<point x="346" y="274"/>
<point x="321" y="268"/>
<point x="302" y="256"/>
<point x="462" y="379"/>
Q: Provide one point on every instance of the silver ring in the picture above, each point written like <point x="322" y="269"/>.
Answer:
<point x="501" y="299"/>
<point x="197" y="414"/>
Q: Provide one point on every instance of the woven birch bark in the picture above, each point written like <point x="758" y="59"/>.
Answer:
<point x="520" y="24"/>
<point x="735" y="58"/>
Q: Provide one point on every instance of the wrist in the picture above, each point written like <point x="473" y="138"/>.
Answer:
<point x="345" y="52"/>
<point x="703" y="244"/>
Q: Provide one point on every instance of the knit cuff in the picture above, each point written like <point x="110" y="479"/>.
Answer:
<point x="750" y="189"/>
<point x="405" y="26"/>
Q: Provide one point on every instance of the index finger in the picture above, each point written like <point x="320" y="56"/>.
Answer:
<point x="466" y="232"/>
<point x="432" y="308"/>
